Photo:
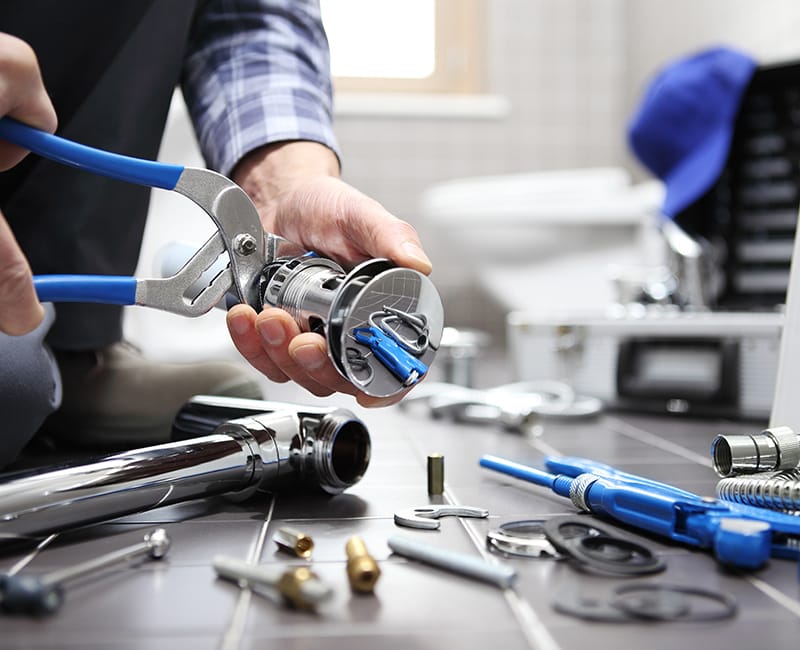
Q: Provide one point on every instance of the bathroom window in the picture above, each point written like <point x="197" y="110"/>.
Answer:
<point x="406" y="46"/>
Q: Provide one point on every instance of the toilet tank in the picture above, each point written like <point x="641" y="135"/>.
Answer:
<point x="508" y="233"/>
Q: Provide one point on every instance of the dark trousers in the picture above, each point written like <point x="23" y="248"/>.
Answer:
<point x="110" y="67"/>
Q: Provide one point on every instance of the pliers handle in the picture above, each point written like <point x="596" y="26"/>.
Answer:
<point x="239" y="231"/>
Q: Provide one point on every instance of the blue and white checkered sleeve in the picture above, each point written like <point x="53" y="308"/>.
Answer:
<point x="257" y="72"/>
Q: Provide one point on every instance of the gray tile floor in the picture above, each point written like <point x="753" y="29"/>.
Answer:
<point x="179" y="603"/>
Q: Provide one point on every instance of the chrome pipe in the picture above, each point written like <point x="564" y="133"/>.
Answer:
<point x="327" y="449"/>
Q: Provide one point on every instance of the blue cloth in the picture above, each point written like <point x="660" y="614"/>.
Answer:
<point x="683" y="128"/>
<point x="257" y="72"/>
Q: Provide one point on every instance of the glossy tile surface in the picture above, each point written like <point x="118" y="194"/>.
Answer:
<point x="178" y="602"/>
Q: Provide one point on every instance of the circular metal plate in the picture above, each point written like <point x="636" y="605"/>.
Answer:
<point x="370" y="290"/>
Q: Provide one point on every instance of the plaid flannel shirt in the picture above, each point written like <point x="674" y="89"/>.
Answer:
<point x="257" y="72"/>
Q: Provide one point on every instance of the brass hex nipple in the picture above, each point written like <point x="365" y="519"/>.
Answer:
<point x="294" y="542"/>
<point x="362" y="569"/>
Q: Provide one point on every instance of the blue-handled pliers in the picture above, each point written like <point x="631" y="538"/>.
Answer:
<point x="239" y="232"/>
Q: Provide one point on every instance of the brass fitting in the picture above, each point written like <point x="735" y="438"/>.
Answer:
<point x="362" y="569"/>
<point x="294" y="542"/>
<point x="302" y="588"/>
<point x="435" y="474"/>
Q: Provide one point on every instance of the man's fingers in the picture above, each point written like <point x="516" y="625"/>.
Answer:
<point x="241" y="325"/>
<point x="20" y="309"/>
<point x="22" y="94"/>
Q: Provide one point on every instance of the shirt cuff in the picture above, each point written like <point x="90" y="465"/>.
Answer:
<point x="261" y="119"/>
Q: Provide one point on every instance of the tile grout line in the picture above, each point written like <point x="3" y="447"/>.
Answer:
<point x="233" y="637"/>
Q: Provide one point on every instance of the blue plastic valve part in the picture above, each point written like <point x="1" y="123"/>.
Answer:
<point x="402" y="364"/>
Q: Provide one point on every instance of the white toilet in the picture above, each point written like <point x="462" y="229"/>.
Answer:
<point x="539" y="242"/>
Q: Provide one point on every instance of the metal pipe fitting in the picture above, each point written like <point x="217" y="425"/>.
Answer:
<point x="362" y="569"/>
<point x="382" y="324"/>
<point x="776" y="448"/>
<point x="294" y="542"/>
<point x="326" y="449"/>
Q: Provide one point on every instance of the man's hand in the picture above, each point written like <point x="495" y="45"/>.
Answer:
<point x="299" y="196"/>
<point x="23" y="97"/>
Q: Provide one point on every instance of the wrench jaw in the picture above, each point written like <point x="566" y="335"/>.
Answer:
<point x="427" y="517"/>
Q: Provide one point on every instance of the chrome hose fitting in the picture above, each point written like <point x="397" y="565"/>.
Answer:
<point x="779" y="491"/>
<point x="776" y="448"/>
<point x="286" y="446"/>
<point x="382" y="324"/>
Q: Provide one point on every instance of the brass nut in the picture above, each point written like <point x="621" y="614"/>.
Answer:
<point x="362" y="569"/>
<point x="294" y="542"/>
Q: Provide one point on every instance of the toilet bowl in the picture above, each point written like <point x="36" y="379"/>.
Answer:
<point x="539" y="241"/>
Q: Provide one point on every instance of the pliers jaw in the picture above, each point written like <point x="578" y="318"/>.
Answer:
<point x="239" y="229"/>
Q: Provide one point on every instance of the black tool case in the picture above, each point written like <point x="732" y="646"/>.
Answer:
<point x="749" y="215"/>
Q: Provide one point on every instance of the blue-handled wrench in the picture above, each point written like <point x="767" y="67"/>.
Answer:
<point x="741" y="537"/>
<point x="239" y="231"/>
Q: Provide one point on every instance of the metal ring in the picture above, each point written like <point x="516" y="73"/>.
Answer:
<point x="523" y="538"/>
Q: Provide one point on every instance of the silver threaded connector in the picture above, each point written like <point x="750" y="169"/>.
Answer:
<point x="776" y="448"/>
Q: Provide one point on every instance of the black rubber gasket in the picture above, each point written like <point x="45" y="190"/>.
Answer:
<point x="665" y="603"/>
<point x="657" y="602"/>
<point x="615" y="555"/>
<point x="591" y="546"/>
<point x="577" y="603"/>
<point x="563" y="530"/>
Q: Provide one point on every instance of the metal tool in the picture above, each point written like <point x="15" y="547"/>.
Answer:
<point x="471" y="566"/>
<point x="293" y="541"/>
<point x="381" y="359"/>
<point x="362" y="569"/>
<point x="282" y="446"/>
<point x="776" y="448"/>
<point x="28" y="594"/>
<point x="740" y="536"/>
<point x="299" y="586"/>
<point x="427" y="516"/>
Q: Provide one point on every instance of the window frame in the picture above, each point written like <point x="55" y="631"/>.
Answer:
<point x="459" y="66"/>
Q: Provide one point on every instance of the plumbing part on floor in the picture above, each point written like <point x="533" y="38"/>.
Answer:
<point x="44" y="594"/>
<point x="291" y="447"/>
<point x="779" y="491"/>
<point x="500" y="575"/>
<point x="427" y="517"/>
<point x="524" y="538"/>
<point x="435" y="474"/>
<point x="293" y="542"/>
<point x="298" y="586"/>
<point x="362" y="569"/>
